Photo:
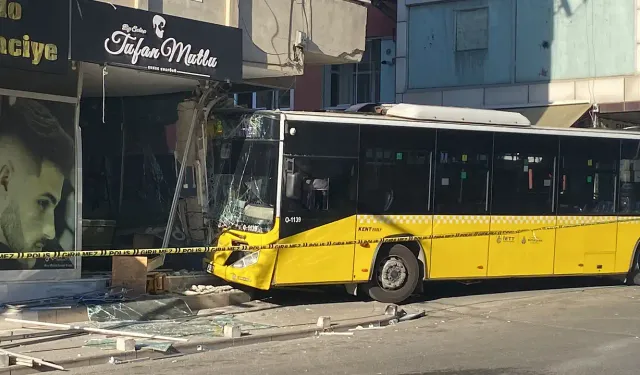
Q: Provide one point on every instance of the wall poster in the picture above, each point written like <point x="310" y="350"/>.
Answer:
<point x="39" y="168"/>
<point x="37" y="180"/>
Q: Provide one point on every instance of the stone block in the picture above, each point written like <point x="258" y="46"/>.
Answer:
<point x="324" y="322"/>
<point x="231" y="331"/>
<point x="124" y="344"/>
<point x="5" y="360"/>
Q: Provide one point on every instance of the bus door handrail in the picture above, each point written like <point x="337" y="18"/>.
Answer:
<point x="486" y="198"/>
<point x="553" y="185"/>
<point x="615" y="192"/>
<point x="430" y="180"/>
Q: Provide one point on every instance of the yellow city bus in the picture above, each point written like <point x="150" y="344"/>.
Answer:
<point x="381" y="201"/>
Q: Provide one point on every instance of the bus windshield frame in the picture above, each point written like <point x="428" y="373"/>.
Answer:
<point x="243" y="163"/>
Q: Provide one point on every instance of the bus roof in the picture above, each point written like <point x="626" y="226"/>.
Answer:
<point x="412" y="115"/>
<point x="452" y="114"/>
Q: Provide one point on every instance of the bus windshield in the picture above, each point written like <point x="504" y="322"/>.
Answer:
<point x="243" y="182"/>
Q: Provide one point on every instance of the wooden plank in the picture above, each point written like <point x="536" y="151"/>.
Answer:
<point x="130" y="273"/>
<point x="26" y="358"/>
<point x="24" y="336"/>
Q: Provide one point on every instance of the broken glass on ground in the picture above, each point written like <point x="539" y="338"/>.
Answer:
<point x="110" y="344"/>
<point x="194" y="327"/>
<point x="161" y="309"/>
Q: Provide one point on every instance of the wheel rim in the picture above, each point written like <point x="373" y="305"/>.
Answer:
<point x="393" y="273"/>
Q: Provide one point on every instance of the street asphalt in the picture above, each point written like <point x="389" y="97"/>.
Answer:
<point x="506" y="327"/>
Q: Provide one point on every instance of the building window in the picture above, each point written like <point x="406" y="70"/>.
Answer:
<point x="244" y="99"/>
<point x="263" y="99"/>
<point x="472" y="29"/>
<point x="285" y="99"/>
<point x="268" y="99"/>
<point x="349" y="84"/>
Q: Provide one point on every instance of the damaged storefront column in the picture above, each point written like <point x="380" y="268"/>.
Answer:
<point x="190" y="151"/>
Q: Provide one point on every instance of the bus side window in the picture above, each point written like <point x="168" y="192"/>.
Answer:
<point x="395" y="170"/>
<point x="523" y="174"/>
<point x="629" y="186"/>
<point x="318" y="184"/>
<point x="588" y="172"/>
<point x="462" y="180"/>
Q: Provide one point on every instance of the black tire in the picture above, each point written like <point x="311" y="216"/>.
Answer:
<point x="633" y="277"/>
<point x="396" y="252"/>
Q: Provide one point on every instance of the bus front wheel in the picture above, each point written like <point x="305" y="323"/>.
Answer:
<point x="633" y="277"/>
<point x="395" y="276"/>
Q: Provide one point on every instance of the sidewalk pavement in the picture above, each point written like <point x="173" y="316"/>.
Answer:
<point x="259" y="321"/>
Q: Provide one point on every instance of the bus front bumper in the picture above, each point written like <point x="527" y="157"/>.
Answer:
<point x="254" y="269"/>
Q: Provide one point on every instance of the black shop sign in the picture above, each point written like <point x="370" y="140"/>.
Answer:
<point x="109" y="34"/>
<point x="34" y="35"/>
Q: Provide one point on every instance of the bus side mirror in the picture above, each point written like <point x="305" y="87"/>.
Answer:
<point x="293" y="186"/>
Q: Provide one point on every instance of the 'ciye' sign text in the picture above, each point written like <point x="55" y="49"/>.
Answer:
<point x="34" y="34"/>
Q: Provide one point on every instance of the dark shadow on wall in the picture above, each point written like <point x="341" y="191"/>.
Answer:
<point x="253" y="54"/>
<point x="534" y="38"/>
<point x="156" y="6"/>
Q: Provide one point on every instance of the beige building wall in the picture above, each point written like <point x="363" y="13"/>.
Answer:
<point x="279" y="36"/>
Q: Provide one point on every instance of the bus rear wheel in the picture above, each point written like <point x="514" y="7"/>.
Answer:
<point x="395" y="275"/>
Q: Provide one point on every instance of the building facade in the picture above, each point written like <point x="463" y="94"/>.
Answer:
<point x="554" y="60"/>
<point x="372" y="79"/>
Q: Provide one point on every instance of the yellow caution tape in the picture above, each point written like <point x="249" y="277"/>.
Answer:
<point x="212" y="249"/>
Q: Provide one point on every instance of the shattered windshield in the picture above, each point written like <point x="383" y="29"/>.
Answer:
<point x="243" y="181"/>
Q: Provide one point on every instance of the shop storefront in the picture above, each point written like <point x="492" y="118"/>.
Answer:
<point x="53" y="54"/>
<point x="142" y="74"/>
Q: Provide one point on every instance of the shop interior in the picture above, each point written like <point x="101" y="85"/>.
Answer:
<point x="129" y="135"/>
<point x="128" y="123"/>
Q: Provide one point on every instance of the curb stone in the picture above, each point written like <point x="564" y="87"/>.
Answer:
<point x="206" y="345"/>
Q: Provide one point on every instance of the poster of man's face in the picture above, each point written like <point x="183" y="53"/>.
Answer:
<point x="37" y="180"/>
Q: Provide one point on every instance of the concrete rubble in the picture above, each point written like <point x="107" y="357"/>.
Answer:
<point x="208" y="289"/>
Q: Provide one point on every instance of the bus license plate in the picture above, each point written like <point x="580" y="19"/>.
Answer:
<point x="209" y="268"/>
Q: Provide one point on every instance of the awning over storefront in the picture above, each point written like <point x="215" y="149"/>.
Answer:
<point x="554" y="116"/>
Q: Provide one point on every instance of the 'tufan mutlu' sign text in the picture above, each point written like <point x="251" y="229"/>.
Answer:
<point x="23" y="46"/>
<point x="130" y="41"/>
<point x="132" y="38"/>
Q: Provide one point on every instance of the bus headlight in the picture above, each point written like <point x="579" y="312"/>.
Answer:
<point x="247" y="260"/>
